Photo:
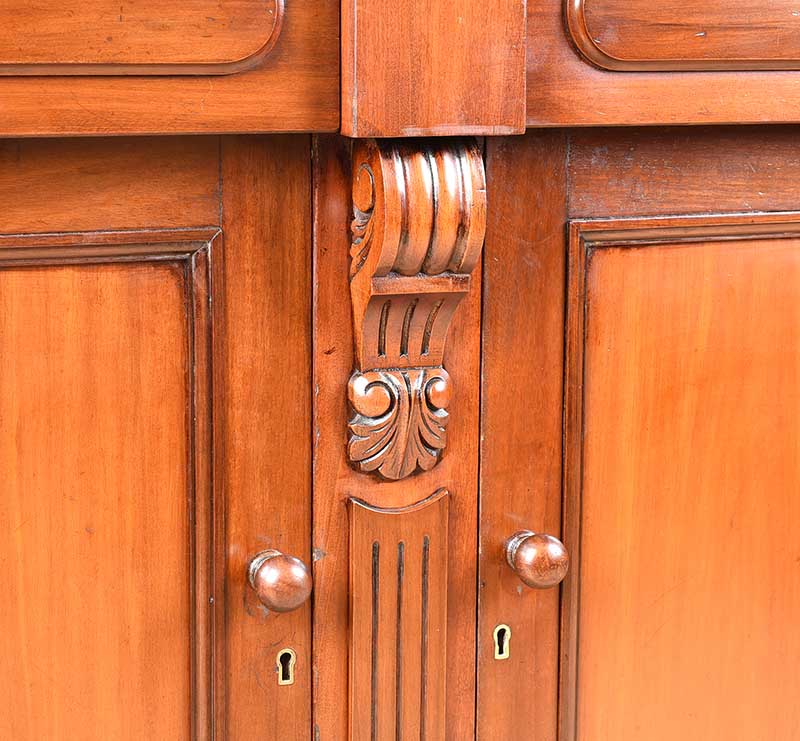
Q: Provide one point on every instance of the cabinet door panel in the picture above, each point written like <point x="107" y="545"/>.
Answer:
<point x="682" y="485"/>
<point x="99" y="501"/>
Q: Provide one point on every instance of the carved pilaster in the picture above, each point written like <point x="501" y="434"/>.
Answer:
<point x="419" y="222"/>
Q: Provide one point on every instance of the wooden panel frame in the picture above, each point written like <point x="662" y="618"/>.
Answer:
<point x="253" y="192"/>
<point x="593" y="50"/>
<point x="586" y="236"/>
<point x="521" y="428"/>
<point x="265" y="455"/>
<point x="608" y="179"/>
<point x="193" y="249"/>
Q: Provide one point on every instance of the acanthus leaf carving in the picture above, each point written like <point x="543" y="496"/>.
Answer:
<point x="400" y="419"/>
<point x="419" y="218"/>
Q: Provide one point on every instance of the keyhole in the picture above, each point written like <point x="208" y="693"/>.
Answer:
<point x="285" y="662"/>
<point x="502" y="642"/>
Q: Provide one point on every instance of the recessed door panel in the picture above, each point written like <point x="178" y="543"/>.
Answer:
<point x="105" y="517"/>
<point x="683" y="474"/>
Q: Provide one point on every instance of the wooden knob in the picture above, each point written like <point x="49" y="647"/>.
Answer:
<point x="540" y="561"/>
<point x="282" y="582"/>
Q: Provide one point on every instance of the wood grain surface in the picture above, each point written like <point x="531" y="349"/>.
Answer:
<point x="291" y="86"/>
<point x="682" y="494"/>
<point x="666" y="35"/>
<point x="691" y="398"/>
<point x="264" y="454"/>
<point x="564" y="88"/>
<point x="523" y="350"/>
<point x="128" y="395"/>
<point x="95" y="514"/>
<point x="416" y="68"/>
<point x="662" y="171"/>
<point x="141" y="37"/>
<point x="101" y="184"/>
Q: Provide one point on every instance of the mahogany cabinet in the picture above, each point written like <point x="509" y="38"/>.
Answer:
<point x="337" y="406"/>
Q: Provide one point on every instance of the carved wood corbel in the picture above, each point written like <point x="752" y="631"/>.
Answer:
<point x="419" y="222"/>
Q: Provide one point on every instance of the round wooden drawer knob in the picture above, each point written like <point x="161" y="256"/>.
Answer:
<point x="282" y="582"/>
<point x="540" y="561"/>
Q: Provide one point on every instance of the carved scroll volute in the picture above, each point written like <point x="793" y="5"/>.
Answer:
<point x="419" y="221"/>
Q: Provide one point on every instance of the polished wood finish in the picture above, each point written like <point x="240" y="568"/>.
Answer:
<point x="669" y="171"/>
<point x="539" y="560"/>
<point x="418" y="228"/>
<point x="172" y="182"/>
<point x="708" y="364"/>
<point x="678" y="439"/>
<point x="568" y="88"/>
<point x="336" y="482"/>
<point x="103" y="347"/>
<point x="398" y="630"/>
<point x="142" y="310"/>
<point x="265" y="456"/>
<point x="254" y="76"/>
<point x="415" y="68"/>
<point x="521" y="398"/>
<point x="67" y="37"/>
<point x="283" y="583"/>
<point x="669" y="36"/>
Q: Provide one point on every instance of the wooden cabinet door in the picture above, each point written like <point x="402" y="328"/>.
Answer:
<point x="147" y="288"/>
<point x="682" y="480"/>
<point x="678" y="253"/>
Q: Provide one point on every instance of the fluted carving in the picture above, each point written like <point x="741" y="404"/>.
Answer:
<point x="419" y="218"/>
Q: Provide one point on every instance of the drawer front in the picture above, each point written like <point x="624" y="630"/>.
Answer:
<point x="608" y="62"/>
<point x="150" y="67"/>
<point x="701" y="36"/>
<point x="143" y="37"/>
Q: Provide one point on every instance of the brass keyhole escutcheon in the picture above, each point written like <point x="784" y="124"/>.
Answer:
<point x="502" y="642"/>
<point x="285" y="663"/>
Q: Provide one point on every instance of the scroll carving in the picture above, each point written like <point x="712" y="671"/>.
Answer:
<point x="419" y="219"/>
